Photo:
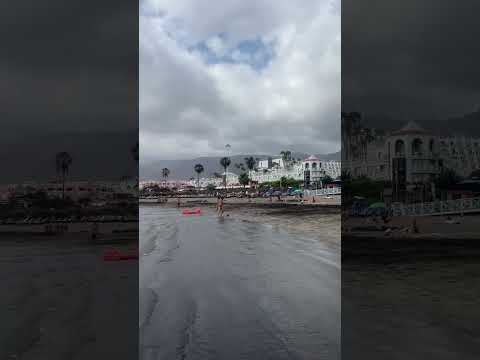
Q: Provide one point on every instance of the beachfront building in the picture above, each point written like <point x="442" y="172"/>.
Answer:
<point x="311" y="167"/>
<point x="203" y="182"/>
<point x="74" y="190"/>
<point x="170" y="184"/>
<point x="294" y="171"/>
<point x="410" y="154"/>
<point x="270" y="163"/>
<point x="313" y="173"/>
<point x="409" y="158"/>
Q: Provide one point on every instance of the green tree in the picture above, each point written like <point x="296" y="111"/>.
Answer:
<point x="225" y="163"/>
<point x="63" y="161"/>
<point x="243" y="179"/>
<point x="444" y="180"/>
<point x="327" y="179"/>
<point x="198" y="169"/>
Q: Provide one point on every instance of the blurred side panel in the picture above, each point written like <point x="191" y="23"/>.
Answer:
<point x="410" y="179"/>
<point x="69" y="179"/>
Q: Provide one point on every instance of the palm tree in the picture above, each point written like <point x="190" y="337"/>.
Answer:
<point x="63" y="160"/>
<point x="225" y="162"/>
<point x="250" y="162"/>
<point x="243" y="180"/>
<point x="286" y="157"/>
<point x="198" y="169"/>
<point x="165" y="173"/>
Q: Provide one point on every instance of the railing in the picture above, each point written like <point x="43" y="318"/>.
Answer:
<point x="324" y="192"/>
<point x="437" y="207"/>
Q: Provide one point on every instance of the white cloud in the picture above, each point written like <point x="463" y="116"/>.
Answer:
<point x="189" y="107"/>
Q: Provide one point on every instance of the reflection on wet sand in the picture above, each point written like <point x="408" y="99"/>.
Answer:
<point x="233" y="288"/>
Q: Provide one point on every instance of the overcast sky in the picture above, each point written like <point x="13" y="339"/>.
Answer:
<point x="411" y="59"/>
<point x="68" y="68"/>
<point x="69" y="82"/>
<point x="260" y="75"/>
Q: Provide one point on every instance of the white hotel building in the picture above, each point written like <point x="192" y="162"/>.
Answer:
<point x="310" y="170"/>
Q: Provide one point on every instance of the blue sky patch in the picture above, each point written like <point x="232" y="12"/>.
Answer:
<point x="254" y="52"/>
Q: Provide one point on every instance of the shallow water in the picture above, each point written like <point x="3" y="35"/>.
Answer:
<point x="215" y="288"/>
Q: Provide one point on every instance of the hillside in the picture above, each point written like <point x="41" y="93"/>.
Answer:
<point x="183" y="169"/>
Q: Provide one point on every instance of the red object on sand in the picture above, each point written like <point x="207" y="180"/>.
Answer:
<point x="192" y="212"/>
<point x="115" y="255"/>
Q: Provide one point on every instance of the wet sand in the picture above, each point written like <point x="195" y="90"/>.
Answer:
<point x="321" y="220"/>
<point x="428" y="227"/>
<point x="60" y="300"/>
<point x="231" y="288"/>
<point x="410" y="299"/>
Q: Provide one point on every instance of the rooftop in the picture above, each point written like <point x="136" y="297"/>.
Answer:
<point x="312" y="158"/>
<point x="411" y="128"/>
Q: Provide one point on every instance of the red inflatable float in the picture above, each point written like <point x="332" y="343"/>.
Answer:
<point x="192" y="212"/>
<point x="115" y="255"/>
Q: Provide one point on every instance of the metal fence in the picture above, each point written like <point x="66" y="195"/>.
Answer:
<point x="437" y="207"/>
<point x="323" y="192"/>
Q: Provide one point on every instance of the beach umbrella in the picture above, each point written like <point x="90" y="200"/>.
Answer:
<point x="377" y="205"/>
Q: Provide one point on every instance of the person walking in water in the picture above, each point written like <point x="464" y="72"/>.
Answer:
<point x="220" y="205"/>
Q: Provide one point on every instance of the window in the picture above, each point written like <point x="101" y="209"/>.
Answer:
<point x="399" y="147"/>
<point x="417" y="146"/>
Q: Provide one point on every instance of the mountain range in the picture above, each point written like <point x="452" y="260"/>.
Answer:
<point x="183" y="169"/>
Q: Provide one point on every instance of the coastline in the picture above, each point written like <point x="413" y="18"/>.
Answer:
<point x="321" y="221"/>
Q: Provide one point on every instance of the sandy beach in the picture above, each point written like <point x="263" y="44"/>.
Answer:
<point x="248" y="285"/>
<point x="63" y="300"/>
<point x="428" y="227"/>
<point x="321" y="217"/>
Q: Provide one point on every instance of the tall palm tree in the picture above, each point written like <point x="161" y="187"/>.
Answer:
<point x="63" y="161"/>
<point x="250" y="162"/>
<point x="225" y="162"/>
<point x="165" y="173"/>
<point x="198" y="169"/>
<point x="286" y="157"/>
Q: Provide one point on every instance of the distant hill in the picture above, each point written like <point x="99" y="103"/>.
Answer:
<point x="183" y="169"/>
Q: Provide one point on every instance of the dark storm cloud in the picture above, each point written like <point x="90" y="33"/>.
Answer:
<point x="69" y="82"/>
<point x="410" y="59"/>
<point x="68" y="66"/>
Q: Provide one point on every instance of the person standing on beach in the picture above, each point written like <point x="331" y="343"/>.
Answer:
<point x="220" y="204"/>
